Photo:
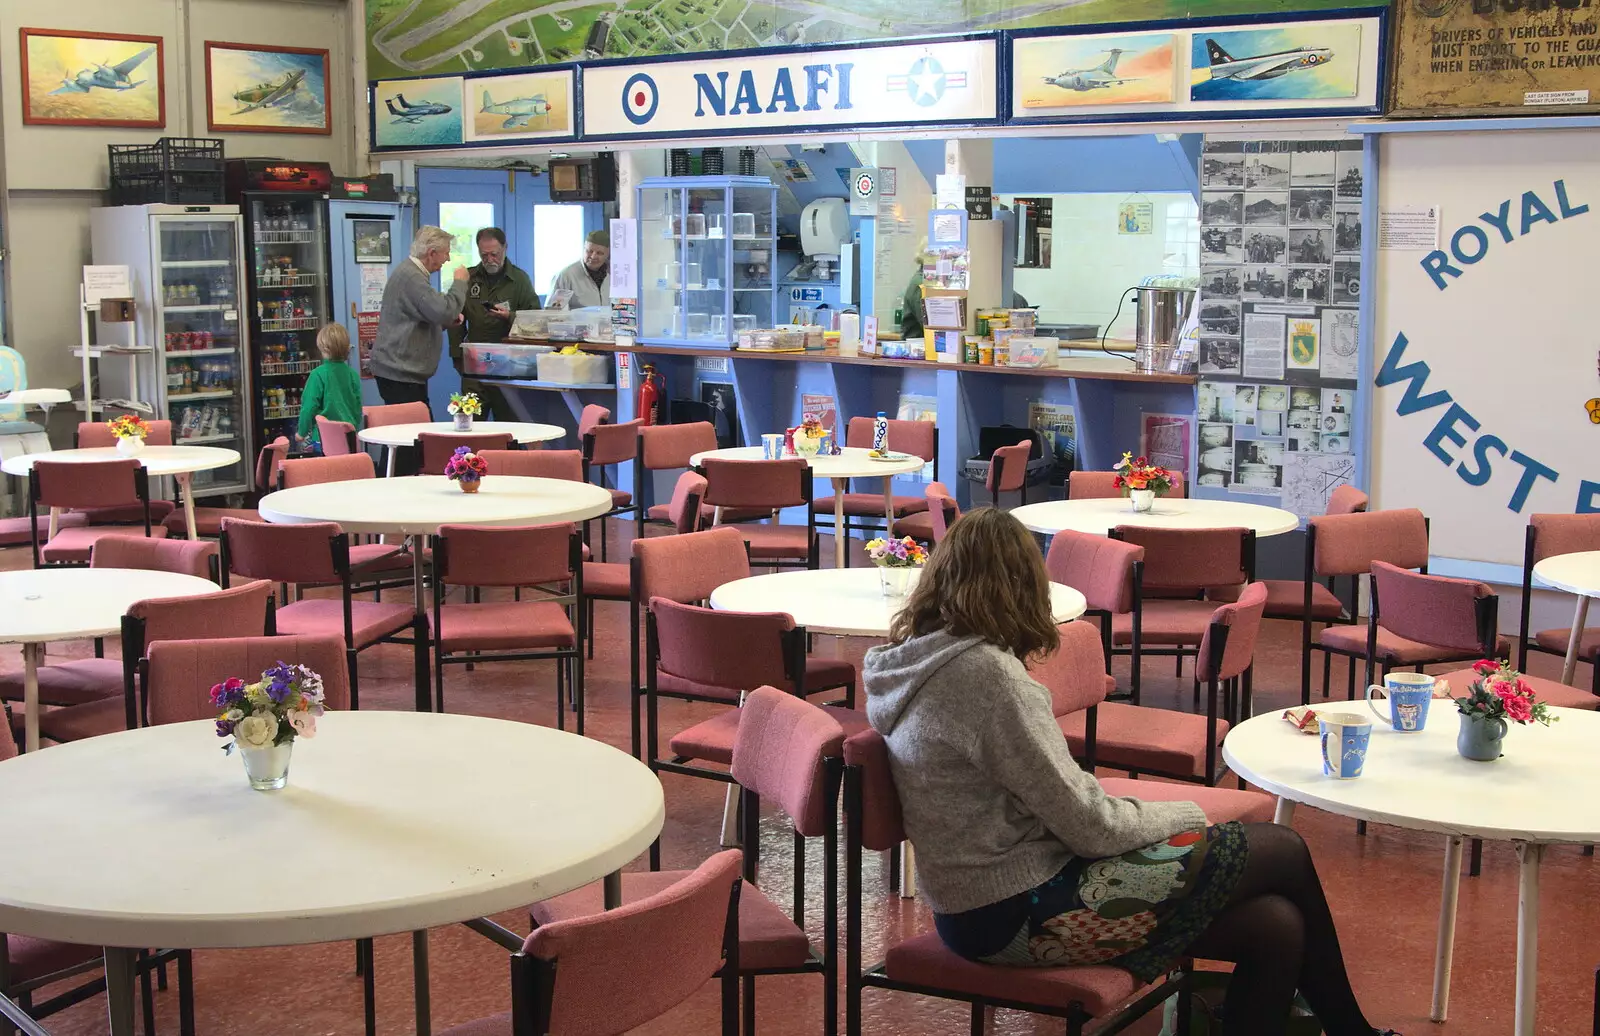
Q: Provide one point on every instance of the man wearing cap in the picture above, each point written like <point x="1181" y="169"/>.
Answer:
<point x="589" y="279"/>
<point x="496" y="291"/>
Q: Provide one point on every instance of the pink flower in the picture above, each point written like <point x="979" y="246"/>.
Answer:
<point x="303" y="722"/>
<point x="1518" y="709"/>
<point x="1484" y="667"/>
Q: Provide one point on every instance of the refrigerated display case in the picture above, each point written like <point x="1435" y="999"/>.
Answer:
<point x="184" y="264"/>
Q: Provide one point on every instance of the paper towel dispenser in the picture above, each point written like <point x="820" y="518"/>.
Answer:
<point x="824" y="226"/>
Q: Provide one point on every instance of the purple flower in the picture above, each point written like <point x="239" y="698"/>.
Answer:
<point x="228" y="692"/>
<point x="461" y="450"/>
<point x="224" y="728"/>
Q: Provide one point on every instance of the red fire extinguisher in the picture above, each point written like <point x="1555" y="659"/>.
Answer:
<point x="649" y="395"/>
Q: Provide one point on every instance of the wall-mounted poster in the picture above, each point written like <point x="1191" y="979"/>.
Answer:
<point x="411" y="113"/>
<point x="1296" y="61"/>
<point x="530" y="106"/>
<point x="92" y="79"/>
<point x="258" y="89"/>
<point x="1072" y="71"/>
<point x="372" y="240"/>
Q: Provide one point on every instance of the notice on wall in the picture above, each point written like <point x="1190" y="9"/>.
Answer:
<point x="1264" y="337"/>
<point x="1136" y="217"/>
<point x="1164" y="440"/>
<point x="106" y="282"/>
<point x="822" y="407"/>
<point x="1409" y="228"/>
<point x="624" y="258"/>
<point x="950" y="191"/>
<point x="1309" y="479"/>
<point x="1340" y="330"/>
<point x="373" y="279"/>
<point x="366" y="338"/>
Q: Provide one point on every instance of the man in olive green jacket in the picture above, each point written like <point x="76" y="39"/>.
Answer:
<point x="496" y="290"/>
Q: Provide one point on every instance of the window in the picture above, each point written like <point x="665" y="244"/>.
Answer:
<point x="1182" y="247"/>
<point x="463" y="219"/>
<point x="557" y="242"/>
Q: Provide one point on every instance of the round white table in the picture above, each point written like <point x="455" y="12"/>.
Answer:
<point x="1417" y="781"/>
<point x="391" y="435"/>
<point x="1576" y="574"/>
<point x="373" y="820"/>
<point x="181" y="462"/>
<point x="40" y="605"/>
<point x="851" y="462"/>
<point x="1100" y="516"/>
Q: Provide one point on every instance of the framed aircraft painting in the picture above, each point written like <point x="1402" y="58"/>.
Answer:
<point x="92" y="79"/>
<point x="257" y="89"/>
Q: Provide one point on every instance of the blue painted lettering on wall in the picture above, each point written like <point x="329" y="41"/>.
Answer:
<point x="1470" y="243"/>
<point x="1448" y="439"/>
<point x="711" y="93"/>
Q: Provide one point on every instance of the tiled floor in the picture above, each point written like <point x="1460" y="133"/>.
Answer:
<point x="1384" y="889"/>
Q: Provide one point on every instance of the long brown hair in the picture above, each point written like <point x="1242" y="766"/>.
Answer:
<point x="986" y="579"/>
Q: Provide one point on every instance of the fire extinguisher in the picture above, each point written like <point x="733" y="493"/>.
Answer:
<point x="649" y="395"/>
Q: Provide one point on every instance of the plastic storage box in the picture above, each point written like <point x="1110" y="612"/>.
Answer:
<point x="502" y="361"/>
<point x="578" y="369"/>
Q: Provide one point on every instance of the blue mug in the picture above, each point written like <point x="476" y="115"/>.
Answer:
<point x="1344" y="738"/>
<point x="1409" y="695"/>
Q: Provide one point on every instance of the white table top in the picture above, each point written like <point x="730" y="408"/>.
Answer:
<point x="1575" y="573"/>
<point x="844" y="602"/>
<point x="854" y="462"/>
<point x="420" y="504"/>
<point x="44" y="604"/>
<point x="1099" y="516"/>
<point x="158" y="460"/>
<point x="406" y="434"/>
<point x="1546" y="788"/>
<point x="391" y="822"/>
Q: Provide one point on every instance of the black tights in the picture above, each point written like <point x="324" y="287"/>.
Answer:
<point x="1278" y="932"/>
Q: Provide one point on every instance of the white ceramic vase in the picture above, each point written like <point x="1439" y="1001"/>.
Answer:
<point x="267" y="768"/>
<point x="1142" y="499"/>
<point x="130" y="446"/>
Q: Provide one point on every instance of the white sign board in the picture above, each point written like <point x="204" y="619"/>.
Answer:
<point x="624" y="258"/>
<point x="1409" y="227"/>
<point x="106" y="282"/>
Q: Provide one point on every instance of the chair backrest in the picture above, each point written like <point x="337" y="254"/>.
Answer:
<point x="739" y="650"/>
<point x="664" y="447"/>
<point x="311" y="471"/>
<point x="239" y="611"/>
<point x="1434" y="610"/>
<point x="687" y="568"/>
<point x="505" y="555"/>
<point x="1346" y="499"/>
<point x="882" y="825"/>
<point x="918" y="438"/>
<point x="943" y="511"/>
<point x="779" y="754"/>
<point x="189" y="557"/>
<point x="592" y="416"/>
<point x="1242" y="618"/>
<point x="1098" y="567"/>
<point x="672" y="941"/>
<point x="684" y="509"/>
<point x="1099" y="485"/>
<point x="1552" y="534"/>
<point x="99" y="483"/>
<point x="95" y="434"/>
<point x="269" y="462"/>
<point x="179" y="674"/>
<point x="767" y="484"/>
<point x="338" y="437"/>
<point x="439" y="447"/>
<point x="310" y="553"/>
<point x="606" y="444"/>
<point x="396" y="413"/>
<point x="1192" y="559"/>
<point x="1008" y="468"/>
<point x="1348" y="544"/>
<point x="1075" y="675"/>
<point x="563" y="464"/>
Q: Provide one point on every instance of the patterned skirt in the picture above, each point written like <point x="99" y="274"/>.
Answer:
<point x="1139" y="911"/>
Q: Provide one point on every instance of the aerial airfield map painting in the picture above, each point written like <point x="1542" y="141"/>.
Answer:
<point x="441" y="37"/>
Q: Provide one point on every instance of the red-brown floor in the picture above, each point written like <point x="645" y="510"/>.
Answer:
<point x="1384" y="889"/>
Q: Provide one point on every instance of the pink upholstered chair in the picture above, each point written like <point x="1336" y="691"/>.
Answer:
<point x="1008" y="471"/>
<point x="564" y="974"/>
<point x="931" y="524"/>
<point x="547" y="558"/>
<point x="208" y="520"/>
<point x="439" y="447"/>
<point x="1110" y="575"/>
<point x="605" y="445"/>
<point x="176" y="676"/>
<point x="338" y="438"/>
<point x="311" y="471"/>
<point x="97" y="435"/>
<point x="1101" y="485"/>
<point x="56" y="484"/>
<point x="1346" y="545"/>
<point x="397" y="413"/>
<point x="377" y="565"/>
<point x="613" y="581"/>
<point x="671" y="447"/>
<point x="562" y="464"/>
<point x="770" y="485"/>
<point x="1419" y="620"/>
<point x="18" y="532"/>
<point x="864" y="511"/>
<point x="1549" y="535"/>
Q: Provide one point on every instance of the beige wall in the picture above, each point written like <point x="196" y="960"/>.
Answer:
<point x="54" y="175"/>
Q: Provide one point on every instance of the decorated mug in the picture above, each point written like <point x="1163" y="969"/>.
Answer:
<point x="1344" y="738"/>
<point x="1409" y="695"/>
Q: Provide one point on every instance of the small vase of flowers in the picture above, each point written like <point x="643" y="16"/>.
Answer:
<point x="1140" y="481"/>
<point x="1498" y="697"/>
<point x="898" y="563"/>
<point x="466" y="469"/>
<point x="264" y="718"/>
<point x="464" y="406"/>
<point x="130" y="430"/>
<point x="808" y="437"/>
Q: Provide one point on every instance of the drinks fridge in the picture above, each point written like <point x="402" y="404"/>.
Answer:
<point x="184" y="264"/>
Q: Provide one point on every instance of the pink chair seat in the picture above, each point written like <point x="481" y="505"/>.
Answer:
<point x="1165" y="622"/>
<point x="870" y="505"/>
<point x="1286" y="599"/>
<point x="70" y="545"/>
<point x="1133" y="738"/>
<point x="373" y="558"/>
<point x="918" y="526"/>
<point x="712" y="740"/>
<point x="32" y="958"/>
<point x="777" y="541"/>
<point x="925" y="960"/>
<point x="104" y="716"/>
<point x="370" y="621"/>
<point x="505" y="625"/>
<point x="620" y="497"/>
<point x="767" y="938"/>
<point x="69" y="683"/>
<point x="1556" y="640"/>
<point x="207" y="520"/>
<point x="1220" y="804"/>
<point x="15" y="532"/>
<point x="607" y="580"/>
<point x="1397" y="650"/>
<point x="127" y="513"/>
<point x="1551" y="692"/>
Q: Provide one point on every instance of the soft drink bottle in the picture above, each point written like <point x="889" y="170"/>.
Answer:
<point x="880" y="433"/>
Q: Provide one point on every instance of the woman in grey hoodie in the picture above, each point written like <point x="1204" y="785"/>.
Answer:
<point x="1023" y="857"/>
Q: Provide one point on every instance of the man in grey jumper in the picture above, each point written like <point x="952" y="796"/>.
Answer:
<point x="413" y="319"/>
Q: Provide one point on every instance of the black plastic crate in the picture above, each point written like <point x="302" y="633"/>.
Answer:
<point x="167" y="155"/>
<point x="181" y="188"/>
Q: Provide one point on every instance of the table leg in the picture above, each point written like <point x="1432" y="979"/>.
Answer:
<point x="1445" y="950"/>
<point x="186" y="492"/>
<point x="419" y="979"/>
<point x="888" y="506"/>
<point x="1579" y="618"/>
<point x="120" y="966"/>
<point x="612" y="890"/>
<point x="388" y="463"/>
<point x="30" y="695"/>
<point x="1284" y="813"/>
<point x="423" y="676"/>
<point x="1530" y="856"/>
<point x="908" y="872"/>
<point x="840" y="486"/>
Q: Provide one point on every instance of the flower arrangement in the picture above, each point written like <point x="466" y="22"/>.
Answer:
<point x="812" y="428"/>
<point x="806" y="439"/>
<point x="129" y="426"/>
<point x="1137" y="473"/>
<point x="465" y="403"/>
<point x="893" y="553"/>
<point x="283" y="705"/>
<point x="466" y="468"/>
<point x="1500" y="692"/>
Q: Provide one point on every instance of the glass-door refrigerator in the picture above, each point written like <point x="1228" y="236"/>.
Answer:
<point x="184" y="264"/>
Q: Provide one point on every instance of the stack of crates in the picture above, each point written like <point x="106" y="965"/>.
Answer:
<point x="173" y="170"/>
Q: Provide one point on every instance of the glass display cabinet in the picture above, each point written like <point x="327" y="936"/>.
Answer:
<point x="706" y="247"/>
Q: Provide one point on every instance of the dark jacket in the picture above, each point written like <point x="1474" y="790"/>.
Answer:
<point x="511" y="286"/>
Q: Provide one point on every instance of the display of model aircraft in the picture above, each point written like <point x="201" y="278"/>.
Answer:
<point x="519" y="110"/>
<point x="106" y="77"/>
<point x="413" y="113"/>
<point x="264" y="95"/>
<point x="1264" y="66"/>
<point x="1097" y="78"/>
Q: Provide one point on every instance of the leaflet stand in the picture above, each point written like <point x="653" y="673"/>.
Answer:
<point x="91" y="293"/>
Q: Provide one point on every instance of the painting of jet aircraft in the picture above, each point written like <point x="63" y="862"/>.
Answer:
<point x="418" y="112"/>
<point x="519" y="106"/>
<point x="1054" y="72"/>
<point x="413" y="114"/>
<point x="252" y="88"/>
<point x="1283" y="62"/>
<point x="92" y="79"/>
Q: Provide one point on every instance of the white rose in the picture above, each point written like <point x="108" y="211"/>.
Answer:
<point x="257" y="731"/>
<point x="233" y="715"/>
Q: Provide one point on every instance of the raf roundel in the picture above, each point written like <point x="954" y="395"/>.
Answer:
<point x="640" y="98"/>
<point x="864" y="185"/>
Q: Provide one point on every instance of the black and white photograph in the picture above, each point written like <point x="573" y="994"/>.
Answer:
<point x="1214" y="435"/>
<point x="1215" y="464"/>
<point x="1348" y="170"/>
<point x="1347" y="231"/>
<point x="1266" y="172"/>
<point x="1346" y="282"/>
<point x="1222" y="245"/>
<point x="1269" y="423"/>
<point x="1310" y="245"/>
<point x="1244" y="398"/>
<point x="1222" y="208"/>
<point x="1308" y="284"/>
<point x="1265" y="245"/>
<point x="1335" y="424"/>
<point x="1313" y="169"/>
<point x="1220" y="318"/>
<point x="1269" y="210"/>
<point x="1304" y="442"/>
<point x="719" y="396"/>
<point x="1304" y="420"/>
<point x="1304" y="399"/>
<point x="1222" y="170"/>
<point x="1215" y="405"/>
<point x="1219" y="282"/>
<point x="1220" y="356"/>
<point x="1336" y="444"/>
<point x="1337" y="400"/>
<point x="1312" y="206"/>
<point x="1257" y="464"/>
<point x="1265" y="283"/>
<point x="1273" y="397"/>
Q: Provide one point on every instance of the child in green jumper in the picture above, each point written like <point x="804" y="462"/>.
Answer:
<point x="333" y="390"/>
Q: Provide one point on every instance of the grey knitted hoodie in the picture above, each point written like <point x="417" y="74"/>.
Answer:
<point x="993" y="801"/>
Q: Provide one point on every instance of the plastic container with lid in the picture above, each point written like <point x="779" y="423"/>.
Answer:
<point x="497" y="360"/>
